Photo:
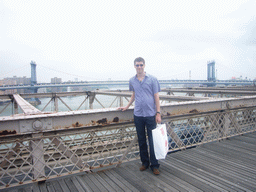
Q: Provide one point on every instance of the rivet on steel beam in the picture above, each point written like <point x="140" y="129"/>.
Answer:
<point x="37" y="125"/>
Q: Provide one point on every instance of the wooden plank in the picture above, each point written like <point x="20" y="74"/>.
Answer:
<point x="35" y="187"/>
<point x="57" y="186"/>
<point x="177" y="177"/>
<point x="106" y="178"/>
<point x="244" y="155"/>
<point x="87" y="182"/>
<point x="239" y="150"/>
<point x="219" y="148"/>
<point x="77" y="184"/>
<point x="192" y="178"/>
<point x="248" y="146"/>
<point x="50" y="187"/>
<point x="221" y="162"/>
<point x="151" y="179"/>
<point x="246" y="139"/>
<point x="212" y="172"/>
<point x="103" y="182"/>
<point x="121" y="181"/>
<point x="82" y="183"/>
<point x="235" y="161"/>
<point x="134" y="181"/>
<point x="235" y="176"/>
<point x="93" y="183"/>
<point x="63" y="185"/>
<point x="70" y="185"/>
<point x="10" y="190"/>
<point x="176" y="182"/>
<point x="251" y="135"/>
<point x="42" y="187"/>
<point x="28" y="189"/>
<point x="228" y="170"/>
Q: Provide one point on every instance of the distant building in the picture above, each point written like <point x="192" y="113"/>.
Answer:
<point x="239" y="78"/>
<point x="56" y="80"/>
<point x="15" y="81"/>
<point x="1" y="84"/>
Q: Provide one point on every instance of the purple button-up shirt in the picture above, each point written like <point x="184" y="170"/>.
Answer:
<point x="144" y="95"/>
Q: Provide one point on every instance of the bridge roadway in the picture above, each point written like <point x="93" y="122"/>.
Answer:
<point x="125" y="83"/>
<point x="228" y="165"/>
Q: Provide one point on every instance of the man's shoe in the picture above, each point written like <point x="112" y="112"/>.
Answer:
<point x="143" y="168"/>
<point x="156" y="171"/>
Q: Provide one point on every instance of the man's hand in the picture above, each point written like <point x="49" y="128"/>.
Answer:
<point x="130" y="102"/>
<point x="158" y="118"/>
<point x="123" y="108"/>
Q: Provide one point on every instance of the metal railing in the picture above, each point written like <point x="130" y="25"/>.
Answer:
<point x="40" y="155"/>
<point x="97" y="99"/>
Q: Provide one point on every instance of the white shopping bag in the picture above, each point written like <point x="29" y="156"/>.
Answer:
<point x="160" y="141"/>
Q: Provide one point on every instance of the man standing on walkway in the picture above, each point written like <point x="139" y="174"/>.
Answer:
<point x="145" y="90"/>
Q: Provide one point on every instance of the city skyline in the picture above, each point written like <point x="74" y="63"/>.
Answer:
<point x="76" y="79"/>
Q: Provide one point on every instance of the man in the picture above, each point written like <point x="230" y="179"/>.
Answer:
<point x="145" y="90"/>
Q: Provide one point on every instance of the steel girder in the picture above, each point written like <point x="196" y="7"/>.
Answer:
<point x="23" y="124"/>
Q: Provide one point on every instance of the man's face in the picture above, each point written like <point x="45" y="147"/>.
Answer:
<point x="139" y="66"/>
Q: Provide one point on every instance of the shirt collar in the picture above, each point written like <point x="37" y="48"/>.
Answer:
<point x="146" y="75"/>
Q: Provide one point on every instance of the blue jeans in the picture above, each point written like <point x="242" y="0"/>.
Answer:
<point x="150" y="124"/>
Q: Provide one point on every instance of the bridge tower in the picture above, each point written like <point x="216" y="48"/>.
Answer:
<point x="33" y="73"/>
<point x="211" y="72"/>
<point x="33" y="77"/>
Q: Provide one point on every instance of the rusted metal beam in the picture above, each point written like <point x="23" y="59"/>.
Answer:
<point x="162" y="97"/>
<point x="239" y="88"/>
<point x="101" y="117"/>
<point x="212" y="91"/>
<point x="207" y="106"/>
<point x="123" y="93"/>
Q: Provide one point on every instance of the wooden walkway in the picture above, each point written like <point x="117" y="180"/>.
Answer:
<point x="228" y="165"/>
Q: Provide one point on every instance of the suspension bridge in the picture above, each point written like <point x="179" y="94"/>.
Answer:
<point x="210" y="82"/>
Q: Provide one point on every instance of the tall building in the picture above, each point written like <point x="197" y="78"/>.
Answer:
<point x="16" y="81"/>
<point x="56" y="80"/>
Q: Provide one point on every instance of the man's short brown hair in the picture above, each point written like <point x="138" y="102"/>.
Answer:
<point x="139" y="59"/>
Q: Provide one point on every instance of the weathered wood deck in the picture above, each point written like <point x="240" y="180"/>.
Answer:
<point x="228" y="165"/>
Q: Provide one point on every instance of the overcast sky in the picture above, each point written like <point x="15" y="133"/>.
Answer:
<point x="98" y="40"/>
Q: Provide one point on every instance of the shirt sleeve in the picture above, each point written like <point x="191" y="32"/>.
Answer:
<point x="130" y="86"/>
<point x="156" y="86"/>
